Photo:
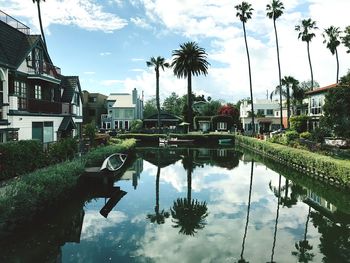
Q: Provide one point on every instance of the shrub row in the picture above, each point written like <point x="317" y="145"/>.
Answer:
<point x="24" y="198"/>
<point x="318" y="164"/>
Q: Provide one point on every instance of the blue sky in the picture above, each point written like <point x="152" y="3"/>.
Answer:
<point x="106" y="43"/>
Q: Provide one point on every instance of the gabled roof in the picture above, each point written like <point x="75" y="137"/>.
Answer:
<point x="122" y="100"/>
<point x="68" y="83"/>
<point x="15" y="46"/>
<point x="321" y="89"/>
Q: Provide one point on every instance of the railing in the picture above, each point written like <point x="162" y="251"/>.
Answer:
<point x="44" y="106"/>
<point x="43" y="68"/>
<point x="14" y="23"/>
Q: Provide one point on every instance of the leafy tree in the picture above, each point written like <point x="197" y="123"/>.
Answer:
<point x="331" y="39"/>
<point x="307" y="85"/>
<point x="230" y="110"/>
<point x="291" y="83"/>
<point x="274" y="11"/>
<point x="244" y="12"/>
<point x="157" y="63"/>
<point x="150" y="107"/>
<point x="40" y="22"/>
<point x="306" y="35"/>
<point x="337" y="111"/>
<point x="90" y="131"/>
<point x="189" y="60"/>
<point x="172" y="104"/>
<point x="299" y="123"/>
<point x="212" y="108"/>
<point x="346" y="38"/>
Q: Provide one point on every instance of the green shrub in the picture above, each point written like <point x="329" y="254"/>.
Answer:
<point x="291" y="136"/>
<point x="136" y="125"/>
<point x="326" y="165"/>
<point x="62" y="150"/>
<point x="17" y="158"/>
<point x="319" y="133"/>
<point x="306" y="135"/>
<point x="299" y="123"/>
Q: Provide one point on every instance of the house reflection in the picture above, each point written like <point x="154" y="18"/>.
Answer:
<point x="133" y="173"/>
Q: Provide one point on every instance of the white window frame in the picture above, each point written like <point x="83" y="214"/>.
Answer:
<point x="37" y="92"/>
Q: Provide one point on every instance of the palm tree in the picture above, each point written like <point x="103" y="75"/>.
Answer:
<point x="158" y="217"/>
<point x="189" y="60"/>
<point x="331" y="39"/>
<point x="307" y="25"/>
<point x="346" y="38"/>
<point x="244" y="12"/>
<point x="274" y="11"/>
<point x="157" y="63"/>
<point x="40" y="22"/>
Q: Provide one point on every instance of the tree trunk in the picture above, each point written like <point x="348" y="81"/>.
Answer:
<point x="288" y="107"/>
<point x="41" y="24"/>
<point x="336" y="56"/>
<point x="250" y="78"/>
<point x="157" y="98"/>
<point x="156" y="209"/>
<point x="312" y="74"/>
<point x="279" y="74"/>
<point x="189" y="100"/>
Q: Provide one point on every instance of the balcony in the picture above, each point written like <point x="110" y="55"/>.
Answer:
<point x="14" y="23"/>
<point x="44" y="69"/>
<point x="44" y="106"/>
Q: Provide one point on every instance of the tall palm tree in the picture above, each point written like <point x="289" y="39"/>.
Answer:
<point x="189" y="60"/>
<point x="158" y="62"/>
<point x="306" y="35"/>
<point x="331" y="37"/>
<point x="40" y="22"/>
<point x="244" y="12"/>
<point x="274" y="11"/>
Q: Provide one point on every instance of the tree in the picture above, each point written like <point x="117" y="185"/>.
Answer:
<point x="331" y="39"/>
<point x="189" y="60"/>
<point x="290" y="83"/>
<point x="150" y="107"/>
<point x="40" y="22"/>
<point x="244" y="12"/>
<point x="274" y="11"/>
<point x="172" y="104"/>
<point x="136" y="125"/>
<point x="306" y="35"/>
<point x="157" y="63"/>
<point x="230" y="110"/>
<point x="346" y="38"/>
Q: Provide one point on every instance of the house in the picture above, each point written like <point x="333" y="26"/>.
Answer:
<point x="122" y="109"/>
<point x="316" y="100"/>
<point x="267" y="115"/>
<point x="213" y="123"/>
<point x="94" y="106"/>
<point x="167" y="120"/>
<point x="36" y="101"/>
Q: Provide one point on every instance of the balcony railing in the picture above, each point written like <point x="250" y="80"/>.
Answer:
<point x="44" y="106"/>
<point x="14" y="23"/>
<point x="44" y="68"/>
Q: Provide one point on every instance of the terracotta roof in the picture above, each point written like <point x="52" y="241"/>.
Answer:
<point x="321" y="89"/>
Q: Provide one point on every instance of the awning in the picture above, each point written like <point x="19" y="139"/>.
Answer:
<point x="67" y="124"/>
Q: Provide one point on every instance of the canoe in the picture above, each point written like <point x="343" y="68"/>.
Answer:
<point x="113" y="162"/>
<point x="179" y="141"/>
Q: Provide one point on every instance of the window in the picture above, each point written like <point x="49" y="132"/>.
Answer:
<point x="37" y="92"/>
<point x="261" y="112"/>
<point x="20" y="90"/>
<point x="76" y="100"/>
<point x="316" y="105"/>
<point x="116" y="125"/>
<point x="1" y="99"/>
<point x="126" y="125"/>
<point x="92" y="99"/>
<point x="222" y="126"/>
<point x="17" y="87"/>
<point x="42" y="131"/>
<point x="129" y="113"/>
<point x="269" y="112"/>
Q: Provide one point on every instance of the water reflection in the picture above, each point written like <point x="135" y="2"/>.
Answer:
<point x="219" y="209"/>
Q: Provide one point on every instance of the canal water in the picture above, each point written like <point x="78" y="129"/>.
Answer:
<point x="193" y="205"/>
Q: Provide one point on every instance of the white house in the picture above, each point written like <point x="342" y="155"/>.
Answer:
<point x="122" y="109"/>
<point x="266" y="112"/>
<point x="36" y="101"/>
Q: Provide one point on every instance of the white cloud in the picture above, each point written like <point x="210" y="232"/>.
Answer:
<point x="140" y="22"/>
<point x="86" y="14"/>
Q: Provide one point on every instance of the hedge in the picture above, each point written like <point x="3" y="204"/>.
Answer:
<point x="322" y="166"/>
<point x="24" y="198"/>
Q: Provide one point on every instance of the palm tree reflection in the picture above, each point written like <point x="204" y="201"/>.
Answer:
<point x="242" y="260"/>
<point x="303" y="247"/>
<point x="189" y="215"/>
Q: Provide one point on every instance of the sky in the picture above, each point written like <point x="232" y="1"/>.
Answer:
<point x="107" y="43"/>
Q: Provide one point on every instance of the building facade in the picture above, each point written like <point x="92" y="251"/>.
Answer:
<point x="122" y="109"/>
<point x="94" y="106"/>
<point x="36" y="101"/>
<point x="267" y="115"/>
